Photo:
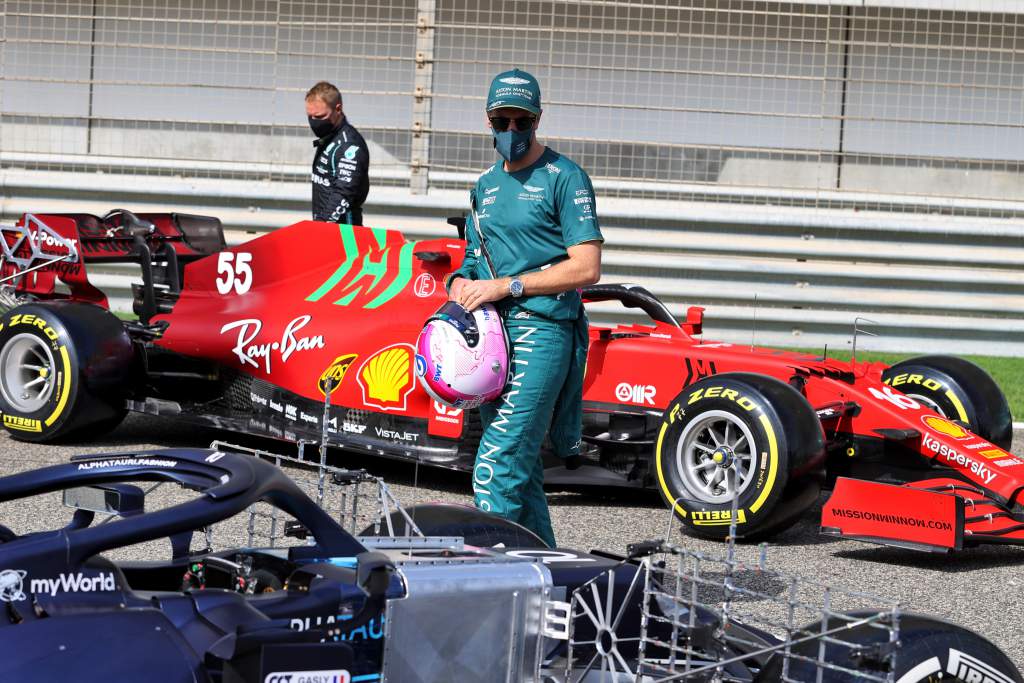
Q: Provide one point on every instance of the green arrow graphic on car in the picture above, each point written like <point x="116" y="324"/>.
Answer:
<point x="384" y="266"/>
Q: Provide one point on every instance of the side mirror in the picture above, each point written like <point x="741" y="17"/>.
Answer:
<point x="694" y="320"/>
<point x="125" y="500"/>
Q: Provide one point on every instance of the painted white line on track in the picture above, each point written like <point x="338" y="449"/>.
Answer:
<point x="1018" y="425"/>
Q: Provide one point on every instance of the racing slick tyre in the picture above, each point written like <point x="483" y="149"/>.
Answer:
<point x="930" y="650"/>
<point x="958" y="390"/>
<point x="64" y="368"/>
<point x="739" y="435"/>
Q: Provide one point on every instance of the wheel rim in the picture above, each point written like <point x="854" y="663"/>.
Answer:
<point x="27" y="373"/>
<point x="707" y="448"/>
<point x="928" y="403"/>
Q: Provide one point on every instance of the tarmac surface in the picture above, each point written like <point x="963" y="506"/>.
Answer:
<point x="980" y="588"/>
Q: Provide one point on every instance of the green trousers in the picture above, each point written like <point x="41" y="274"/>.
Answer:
<point x="544" y="395"/>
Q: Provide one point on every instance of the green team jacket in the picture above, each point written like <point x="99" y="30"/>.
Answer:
<point x="528" y="220"/>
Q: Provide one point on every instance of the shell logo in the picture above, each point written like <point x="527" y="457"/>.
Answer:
<point x="387" y="377"/>
<point x="335" y="372"/>
<point x="944" y="426"/>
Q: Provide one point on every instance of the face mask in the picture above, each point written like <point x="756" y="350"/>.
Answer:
<point x="512" y="145"/>
<point x="320" y="127"/>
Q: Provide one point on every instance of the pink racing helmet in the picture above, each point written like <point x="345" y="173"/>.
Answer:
<point x="462" y="357"/>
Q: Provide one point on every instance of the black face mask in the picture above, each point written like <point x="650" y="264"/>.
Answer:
<point x="321" y="127"/>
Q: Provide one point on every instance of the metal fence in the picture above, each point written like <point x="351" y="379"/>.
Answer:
<point x="681" y="111"/>
<point x="823" y="97"/>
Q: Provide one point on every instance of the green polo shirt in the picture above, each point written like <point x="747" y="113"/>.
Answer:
<point x="528" y="219"/>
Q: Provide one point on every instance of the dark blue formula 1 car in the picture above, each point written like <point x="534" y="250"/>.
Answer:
<point x="477" y="600"/>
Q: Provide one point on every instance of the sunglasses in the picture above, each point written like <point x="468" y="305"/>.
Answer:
<point x="500" y="123"/>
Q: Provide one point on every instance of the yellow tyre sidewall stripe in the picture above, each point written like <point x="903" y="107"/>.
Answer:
<point x="669" y="496"/>
<point x="955" y="400"/>
<point x="65" y="388"/>
<point x="773" y="464"/>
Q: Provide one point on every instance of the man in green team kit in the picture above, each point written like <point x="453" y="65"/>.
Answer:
<point x="535" y="211"/>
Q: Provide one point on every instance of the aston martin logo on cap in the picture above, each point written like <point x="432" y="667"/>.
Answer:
<point x="514" y="80"/>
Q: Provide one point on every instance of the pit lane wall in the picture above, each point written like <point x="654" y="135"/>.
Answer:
<point x="792" y="276"/>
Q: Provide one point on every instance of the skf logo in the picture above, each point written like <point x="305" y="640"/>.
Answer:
<point x="24" y="424"/>
<point x="335" y="372"/>
<point x="338" y="676"/>
<point x="386" y="377"/>
<point x="944" y="426"/>
<point x="636" y="393"/>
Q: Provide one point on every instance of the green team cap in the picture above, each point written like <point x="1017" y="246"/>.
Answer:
<point x="514" y="88"/>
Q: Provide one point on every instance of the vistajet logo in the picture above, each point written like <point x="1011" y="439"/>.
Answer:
<point x="74" y="583"/>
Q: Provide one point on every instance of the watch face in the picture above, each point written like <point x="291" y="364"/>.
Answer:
<point x="515" y="288"/>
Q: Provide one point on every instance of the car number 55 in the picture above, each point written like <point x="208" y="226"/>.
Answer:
<point x="234" y="272"/>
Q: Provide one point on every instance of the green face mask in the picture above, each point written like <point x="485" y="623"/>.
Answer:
<point x="512" y="145"/>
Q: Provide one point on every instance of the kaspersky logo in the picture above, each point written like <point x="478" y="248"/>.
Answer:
<point x="374" y="270"/>
<point x="951" y="455"/>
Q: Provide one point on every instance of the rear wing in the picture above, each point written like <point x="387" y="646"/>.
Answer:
<point x="43" y="248"/>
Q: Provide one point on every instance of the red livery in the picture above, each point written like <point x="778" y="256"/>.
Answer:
<point x="309" y="331"/>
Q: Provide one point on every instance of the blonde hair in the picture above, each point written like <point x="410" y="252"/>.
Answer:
<point x="326" y="93"/>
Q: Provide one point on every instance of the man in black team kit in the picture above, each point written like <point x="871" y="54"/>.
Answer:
<point x="341" y="162"/>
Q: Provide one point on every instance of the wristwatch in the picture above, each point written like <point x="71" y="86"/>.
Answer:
<point x="515" y="288"/>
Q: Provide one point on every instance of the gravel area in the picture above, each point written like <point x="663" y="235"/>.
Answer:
<point x="979" y="588"/>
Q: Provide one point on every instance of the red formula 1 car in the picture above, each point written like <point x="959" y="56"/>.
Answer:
<point x="260" y="337"/>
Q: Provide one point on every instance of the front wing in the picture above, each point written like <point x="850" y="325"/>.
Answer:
<point x="938" y="515"/>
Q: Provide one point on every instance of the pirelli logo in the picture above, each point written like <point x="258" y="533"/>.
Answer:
<point x="718" y="517"/>
<point x="24" y="424"/>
